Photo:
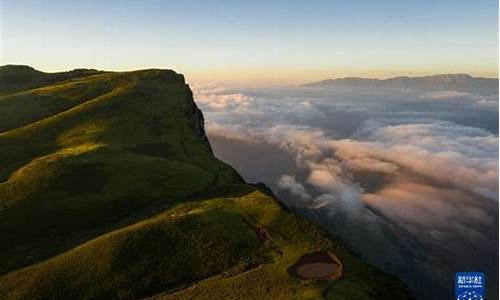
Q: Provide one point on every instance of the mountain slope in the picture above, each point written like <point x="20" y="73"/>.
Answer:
<point x="19" y="77"/>
<point x="456" y="82"/>
<point x="109" y="190"/>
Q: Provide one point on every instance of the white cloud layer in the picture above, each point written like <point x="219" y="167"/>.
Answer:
<point x="480" y="101"/>
<point x="420" y="154"/>
<point x="377" y="160"/>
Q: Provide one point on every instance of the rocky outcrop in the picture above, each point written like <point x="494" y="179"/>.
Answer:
<point x="195" y="114"/>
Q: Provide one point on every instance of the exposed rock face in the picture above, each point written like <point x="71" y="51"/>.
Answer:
<point x="198" y="119"/>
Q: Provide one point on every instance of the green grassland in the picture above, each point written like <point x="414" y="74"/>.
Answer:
<point x="109" y="190"/>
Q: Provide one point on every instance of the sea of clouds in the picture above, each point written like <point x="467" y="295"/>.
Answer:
<point x="408" y="179"/>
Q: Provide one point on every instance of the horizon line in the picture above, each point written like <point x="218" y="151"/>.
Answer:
<point x="427" y="74"/>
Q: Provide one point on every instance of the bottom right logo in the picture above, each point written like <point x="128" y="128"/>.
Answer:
<point x="470" y="286"/>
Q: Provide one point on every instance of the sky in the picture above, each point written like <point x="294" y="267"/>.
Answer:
<point x="255" y="41"/>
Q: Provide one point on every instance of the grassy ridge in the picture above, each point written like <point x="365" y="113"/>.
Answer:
<point x="191" y="242"/>
<point x="204" y="250"/>
<point x="98" y="161"/>
<point x="15" y="78"/>
<point x="109" y="190"/>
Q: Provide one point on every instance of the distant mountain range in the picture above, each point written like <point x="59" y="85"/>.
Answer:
<point x="456" y="82"/>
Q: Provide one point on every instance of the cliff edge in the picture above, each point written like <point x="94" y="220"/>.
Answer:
<point x="109" y="190"/>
